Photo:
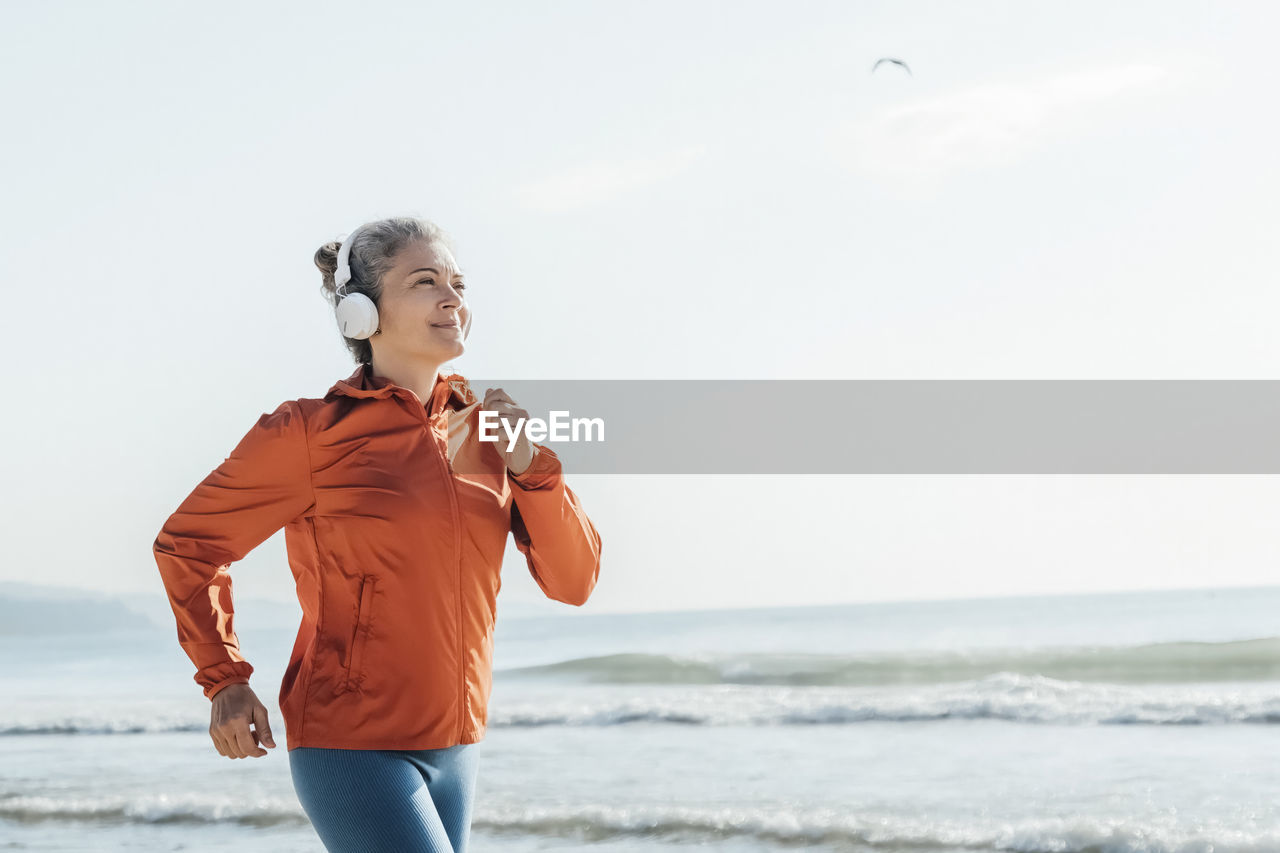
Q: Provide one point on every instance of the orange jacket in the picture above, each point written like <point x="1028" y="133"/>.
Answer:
<point x="396" y="556"/>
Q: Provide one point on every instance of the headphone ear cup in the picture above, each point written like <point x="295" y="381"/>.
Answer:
<point x="357" y="316"/>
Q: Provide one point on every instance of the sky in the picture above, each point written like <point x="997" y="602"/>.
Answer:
<point x="666" y="190"/>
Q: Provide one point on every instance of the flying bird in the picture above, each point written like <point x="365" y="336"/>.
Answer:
<point x="890" y="59"/>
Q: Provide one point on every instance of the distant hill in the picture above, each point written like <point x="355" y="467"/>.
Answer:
<point x="41" y="609"/>
<point x="28" y="608"/>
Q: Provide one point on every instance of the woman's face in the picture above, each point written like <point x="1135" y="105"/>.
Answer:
<point x="422" y="311"/>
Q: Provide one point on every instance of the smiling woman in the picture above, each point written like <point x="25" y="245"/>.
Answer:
<point x="396" y="519"/>
<point x="386" y="260"/>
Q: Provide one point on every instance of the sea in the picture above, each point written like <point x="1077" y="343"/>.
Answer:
<point x="1138" y="722"/>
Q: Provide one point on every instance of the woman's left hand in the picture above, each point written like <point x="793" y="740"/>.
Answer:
<point x="519" y="457"/>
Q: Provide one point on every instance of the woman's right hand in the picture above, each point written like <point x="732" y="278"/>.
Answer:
<point x="234" y="708"/>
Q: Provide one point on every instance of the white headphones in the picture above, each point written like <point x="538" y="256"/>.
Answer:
<point x="357" y="314"/>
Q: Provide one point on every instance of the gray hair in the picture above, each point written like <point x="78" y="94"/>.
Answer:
<point x="372" y="255"/>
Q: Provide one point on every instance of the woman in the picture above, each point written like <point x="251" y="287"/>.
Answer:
<point x="396" y="518"/>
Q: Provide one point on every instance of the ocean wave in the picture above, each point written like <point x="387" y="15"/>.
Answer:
<point x="1175" y="662"/>
<point x="1005" y="696"/>
<point x="1180" y="683"/>
<point x="850" y="829"/>
<point x="83" y="725"/>
<point x="860" y="832"/>
<point x="157" y="808"/>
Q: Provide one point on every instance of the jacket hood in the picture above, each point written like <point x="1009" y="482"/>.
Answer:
<point x="363" y="384"/>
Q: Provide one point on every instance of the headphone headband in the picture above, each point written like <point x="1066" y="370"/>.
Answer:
<point x="342" y="274"/>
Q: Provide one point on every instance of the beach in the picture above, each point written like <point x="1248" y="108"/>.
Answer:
<point x="1082" y="724"/>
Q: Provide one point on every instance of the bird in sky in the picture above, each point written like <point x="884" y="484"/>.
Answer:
<point x="890" y="59"/>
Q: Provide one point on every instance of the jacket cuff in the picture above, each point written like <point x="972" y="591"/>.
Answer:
<point x="543" y="472"/>
<point x="213" y="678"/>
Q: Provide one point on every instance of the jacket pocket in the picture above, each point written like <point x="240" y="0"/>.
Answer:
<point x="359" y="636"/>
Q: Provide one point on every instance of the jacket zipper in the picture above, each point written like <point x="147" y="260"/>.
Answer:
<point x="447" y="470"/>
<point x="457" y="561"/>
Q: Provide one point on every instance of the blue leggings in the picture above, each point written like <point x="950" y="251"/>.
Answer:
<point x="393" y="800"/>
